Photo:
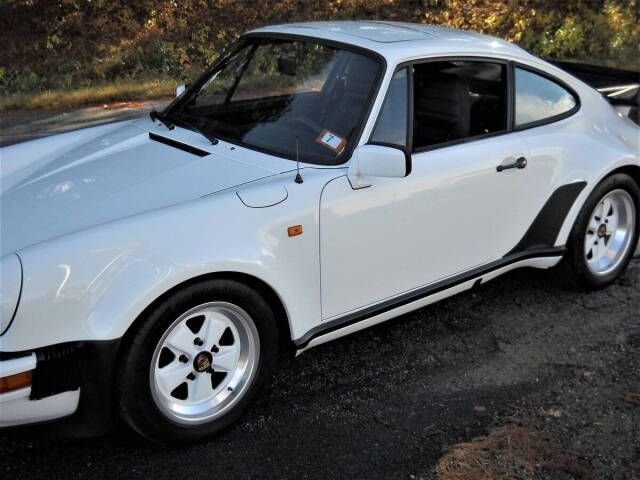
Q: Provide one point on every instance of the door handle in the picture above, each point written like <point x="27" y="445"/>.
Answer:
<point x="519" y="163"/>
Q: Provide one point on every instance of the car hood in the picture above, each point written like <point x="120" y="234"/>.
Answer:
<point x="103" y="174"/>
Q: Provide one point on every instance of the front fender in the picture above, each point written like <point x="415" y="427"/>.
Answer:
<point x="92" y="285"/>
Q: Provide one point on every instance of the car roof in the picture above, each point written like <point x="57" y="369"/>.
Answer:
<point x="399" y="40"/>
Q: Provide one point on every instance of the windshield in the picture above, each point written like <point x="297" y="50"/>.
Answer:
<point x="271" y="93"/>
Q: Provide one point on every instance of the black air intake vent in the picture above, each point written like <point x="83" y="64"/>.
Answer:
<point x="60" y="368"/>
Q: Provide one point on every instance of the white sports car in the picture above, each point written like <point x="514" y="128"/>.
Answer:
<point x="318" y="179"/>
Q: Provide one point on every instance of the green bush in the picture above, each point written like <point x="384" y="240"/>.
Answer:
<point x="71" y="44"/>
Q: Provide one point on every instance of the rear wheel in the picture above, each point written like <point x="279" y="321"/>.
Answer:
<point x="605" y="234"/>
<point x="196" y="362"/>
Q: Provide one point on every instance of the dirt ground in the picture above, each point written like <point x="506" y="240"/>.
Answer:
<point x="22" y="126"/>
<point x="558" y="369"/>
<point x="391" y="401"/>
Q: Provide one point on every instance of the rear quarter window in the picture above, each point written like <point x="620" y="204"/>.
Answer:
<point x="538" y="98"/>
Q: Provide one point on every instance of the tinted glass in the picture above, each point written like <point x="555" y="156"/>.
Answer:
<point x="272" y="91"/>
<point x="285" y="69"/>
<point x="538" y="98"/>
<point x="458" y="99"/>
<point x="392" y="122"/>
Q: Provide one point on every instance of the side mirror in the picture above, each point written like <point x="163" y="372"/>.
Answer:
<point x="378" y="160"/>
<point x="180" y="89"/>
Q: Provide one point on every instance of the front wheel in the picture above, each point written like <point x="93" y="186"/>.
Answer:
<point x="605" y="233"/>
<point x="196" y="361"/>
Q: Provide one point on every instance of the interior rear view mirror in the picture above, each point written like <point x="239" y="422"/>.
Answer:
<point x="287" y="66"/>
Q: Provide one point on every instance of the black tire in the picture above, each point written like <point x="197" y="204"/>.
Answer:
<point x="134" y="398"/>
<point x="574" y="264"/>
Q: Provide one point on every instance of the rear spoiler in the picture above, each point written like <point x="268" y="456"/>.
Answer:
<point x="620" y="87"/>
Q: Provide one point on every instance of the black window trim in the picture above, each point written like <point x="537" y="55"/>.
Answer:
<point x="551" y="78"/>
<point x="345" y="156"/>
<point x="510" y="66"/>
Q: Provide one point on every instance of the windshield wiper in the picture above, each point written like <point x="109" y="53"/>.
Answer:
<point x="155" y="115"/>
<point x="196" y="128"/>
<point x="166" y="121"/>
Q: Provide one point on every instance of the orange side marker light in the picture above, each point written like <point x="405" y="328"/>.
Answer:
<point x="15" y="382"/>
<point x="295" y="230"/>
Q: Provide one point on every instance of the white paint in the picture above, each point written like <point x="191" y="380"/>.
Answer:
<point x="17" y="365"/>
<point x="115" y="175"/>
<point x="266" y="195"/>
<point x="375" y="161"/>
<point x="17" y="409"/>
<point x="452" y="213"/>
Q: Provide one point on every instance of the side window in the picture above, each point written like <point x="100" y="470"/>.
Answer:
<point x="458" y="99"/>
<point x="393" y="119"/>
<point x="538" y="98"/>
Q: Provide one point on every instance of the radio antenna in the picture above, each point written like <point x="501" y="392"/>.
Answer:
<point x="298" y="176"/>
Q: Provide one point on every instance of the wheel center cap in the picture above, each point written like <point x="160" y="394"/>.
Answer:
<point x="202" y="362"/>
<point x="602" y="230"/>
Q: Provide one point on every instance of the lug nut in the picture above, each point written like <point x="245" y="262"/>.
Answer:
<point x="183" y="358"/>
<point x="198" y="342"/>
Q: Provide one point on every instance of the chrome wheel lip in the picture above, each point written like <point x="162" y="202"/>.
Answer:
<point x="240" y="379"/>
<point x="621" y="211"/>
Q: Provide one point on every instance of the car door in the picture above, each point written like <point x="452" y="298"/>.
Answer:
<point x="455" y="211"/>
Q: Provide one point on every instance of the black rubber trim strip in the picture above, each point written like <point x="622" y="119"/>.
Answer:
<point x="421" y="293"/>
<point x="178" y="145"/>
<point x="15" y="311"/>
<point x="545" y="228"/>
<point x="59" y="368"/>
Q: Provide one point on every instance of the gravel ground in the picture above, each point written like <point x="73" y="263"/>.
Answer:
<point x="386" y="402"/>
<point x="22" y="126"/>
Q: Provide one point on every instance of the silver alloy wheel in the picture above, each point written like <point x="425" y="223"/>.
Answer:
<point x="204" y="363"/>
<point x="609" y="232"/>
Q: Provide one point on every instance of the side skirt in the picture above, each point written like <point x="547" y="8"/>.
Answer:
<point x="406" y="302"/>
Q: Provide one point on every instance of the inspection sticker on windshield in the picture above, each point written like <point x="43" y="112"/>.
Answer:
<point x="331" y="140"/>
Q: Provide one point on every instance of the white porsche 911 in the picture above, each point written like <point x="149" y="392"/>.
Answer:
<point x="155" y="268"/>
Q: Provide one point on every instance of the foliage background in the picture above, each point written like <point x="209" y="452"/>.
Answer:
<point x="75" y="44"/>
